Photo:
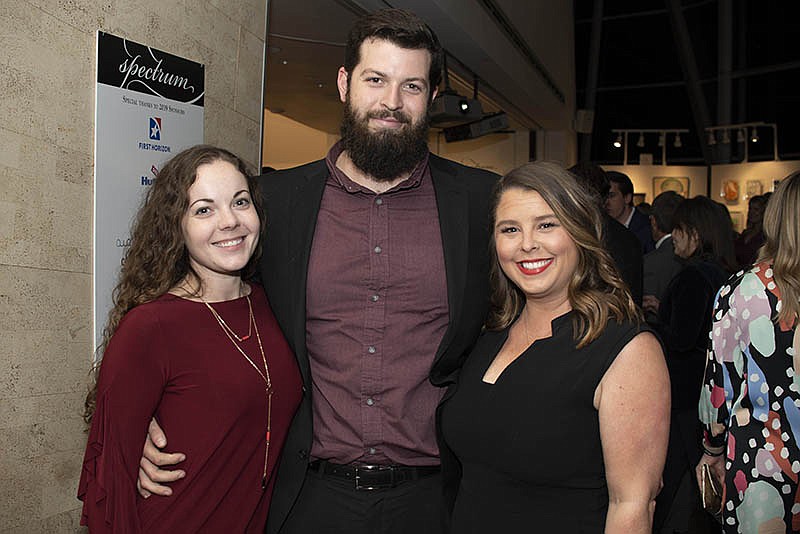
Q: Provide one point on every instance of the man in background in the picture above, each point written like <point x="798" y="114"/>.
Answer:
<point x="619" y="204"/>
<point x="661" y="264"/>
<point x="620" y="242"/>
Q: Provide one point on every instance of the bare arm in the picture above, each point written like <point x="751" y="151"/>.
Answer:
<point x="151" y="477"/>
<point x="633" y="400"/>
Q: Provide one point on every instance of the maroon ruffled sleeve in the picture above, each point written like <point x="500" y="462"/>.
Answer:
<point x="132" y="378"/>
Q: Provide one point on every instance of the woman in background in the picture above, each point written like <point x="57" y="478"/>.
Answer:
<point x="750" y="240"/>
<point x="559" y="420"/>
<point x="750" y="400"/>
<point x="191" y="344"/>
<point x="703" y="237"/>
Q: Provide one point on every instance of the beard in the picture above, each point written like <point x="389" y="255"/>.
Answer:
<point x="385" y="154"/>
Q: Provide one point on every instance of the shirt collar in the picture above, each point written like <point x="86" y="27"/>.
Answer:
<point x="339" y="178"/>
<point x="627" y="222"/>
<point x="661" y="241"/>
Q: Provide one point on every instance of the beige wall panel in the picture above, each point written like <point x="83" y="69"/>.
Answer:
<point x="232" y="130"/>
<point x="249" y="13"/>
<point x="249" y="75"/>
<point x="47" y="79"/>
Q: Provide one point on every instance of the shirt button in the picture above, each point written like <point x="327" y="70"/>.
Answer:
<point x="371" y="350"/>
<point x="374" y="298"/>
<point x="372" y="450"/>
<point x="377" y="250"/>
<point x="378" y="201"/>
<point x="370" y="402"/>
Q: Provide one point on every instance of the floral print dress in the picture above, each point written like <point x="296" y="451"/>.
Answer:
<point x="750" y="400"/>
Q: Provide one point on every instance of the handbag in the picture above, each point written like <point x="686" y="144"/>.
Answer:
<point x="711" y="493"/>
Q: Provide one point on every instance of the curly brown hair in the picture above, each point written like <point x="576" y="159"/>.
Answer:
<point x="596" y="292"/>
<point x="157" y="259"/>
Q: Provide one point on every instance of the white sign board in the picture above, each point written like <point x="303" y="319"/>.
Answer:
<point x="149" y="107"/>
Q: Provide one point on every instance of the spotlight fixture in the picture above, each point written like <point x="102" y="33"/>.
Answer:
<point x="624" y="140"/>
<point x="745" y="131"/>
<point x="712" y="138"/>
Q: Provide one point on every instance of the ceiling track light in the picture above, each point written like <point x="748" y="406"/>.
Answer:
<point x="726" y="137"/>
<point x="712" y="138"/>
<point x="754" y="135"/>
<point x="624" y="140"/>
<point x="740" y="135"/>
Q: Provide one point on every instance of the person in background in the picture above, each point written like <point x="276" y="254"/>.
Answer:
<point x="661" y="264"/>
<point x="750" y="399"/>
<point x="619" y="204"/>
<point x="193" y="345"/>
<point x="559" y="420"/>
<point x="702" y="237"/>
<point x="752" y="237"/>
<point x="645" y="208"/>
<point x="376" y="264"/>
<point x="624" y="247"/>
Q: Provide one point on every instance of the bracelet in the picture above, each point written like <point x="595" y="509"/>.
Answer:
<point x="711" y="453"/>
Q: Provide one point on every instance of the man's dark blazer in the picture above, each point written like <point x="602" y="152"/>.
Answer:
<point x="640" y="225"/>
<point x="291" y="204"/>
<point x="626" y="251"/>
<point x="660" y="267"/>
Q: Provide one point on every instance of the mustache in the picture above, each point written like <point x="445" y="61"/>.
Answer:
<point x="399" y="116"/>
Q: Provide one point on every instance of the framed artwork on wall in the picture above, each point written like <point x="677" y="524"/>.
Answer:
<point x="753" y="188"/>
<point x="730" y="190"/>
<point x="638" y="198"/>
<point x="679" y="184"/>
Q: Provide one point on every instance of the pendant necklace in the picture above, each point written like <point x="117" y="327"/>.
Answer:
<point x="264" y="376"/>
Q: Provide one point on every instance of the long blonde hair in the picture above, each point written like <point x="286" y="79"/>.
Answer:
<point x="596" y="291"/>
<point x="157" y="259"/>
<point x="782" y="244"/>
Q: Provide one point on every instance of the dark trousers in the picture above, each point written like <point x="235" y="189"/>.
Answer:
<point x="678" y="505"/>
<point x="329" y="505"/>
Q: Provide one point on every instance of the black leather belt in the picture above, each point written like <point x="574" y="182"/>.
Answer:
<point x="372" y="477"/>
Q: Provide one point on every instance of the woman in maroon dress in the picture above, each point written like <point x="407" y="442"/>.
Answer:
<point x="191" y="344"/>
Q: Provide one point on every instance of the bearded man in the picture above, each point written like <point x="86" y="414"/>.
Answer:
<point x="375" y="263"/>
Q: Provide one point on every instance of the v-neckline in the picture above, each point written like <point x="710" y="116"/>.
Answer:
<point x="555" y="324"/>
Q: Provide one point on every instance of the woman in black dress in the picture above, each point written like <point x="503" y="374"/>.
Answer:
<point x="560" y="418"/>
<point x="702" y="233"/>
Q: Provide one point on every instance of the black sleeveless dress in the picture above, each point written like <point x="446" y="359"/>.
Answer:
<point x="529" y="445"/>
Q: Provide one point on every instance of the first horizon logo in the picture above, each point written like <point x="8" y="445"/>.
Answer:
<point x="155" y="129"/>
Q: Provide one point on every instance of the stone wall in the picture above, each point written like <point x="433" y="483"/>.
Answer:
<point x="47" y="76"/>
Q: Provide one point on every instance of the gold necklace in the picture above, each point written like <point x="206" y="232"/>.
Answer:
<point x="265" y="377"/>
<point x="227" y="328"/>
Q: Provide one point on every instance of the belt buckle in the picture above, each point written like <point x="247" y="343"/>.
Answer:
<point x="373" y="469"/>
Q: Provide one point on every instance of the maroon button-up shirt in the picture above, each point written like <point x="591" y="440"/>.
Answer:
<point x="376" y="313"/>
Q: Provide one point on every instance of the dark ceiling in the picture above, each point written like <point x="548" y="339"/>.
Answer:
<point x="641" y="81"/>
<point x="641" y="76"/>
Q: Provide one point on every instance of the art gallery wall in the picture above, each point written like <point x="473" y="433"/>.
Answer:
<point x="748" y="178"/>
